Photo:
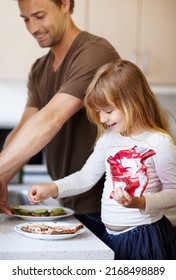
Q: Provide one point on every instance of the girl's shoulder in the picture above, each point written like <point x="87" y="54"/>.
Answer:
<point x="150" y="139"/>
<point x="161" y="143"/>
<point x="156" y="138"/>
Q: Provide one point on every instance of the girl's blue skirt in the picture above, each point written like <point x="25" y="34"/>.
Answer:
<point x="156" y="241"/>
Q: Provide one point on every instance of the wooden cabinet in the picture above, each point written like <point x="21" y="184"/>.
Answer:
<point x="115" y="20"/>
<point x="158" y="40"/>
<point x="142" y="31"/>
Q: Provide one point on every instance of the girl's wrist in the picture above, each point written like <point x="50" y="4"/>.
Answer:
<point x="54" y="190"/>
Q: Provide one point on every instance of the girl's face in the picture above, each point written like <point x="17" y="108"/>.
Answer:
<point x="113" y="118"/>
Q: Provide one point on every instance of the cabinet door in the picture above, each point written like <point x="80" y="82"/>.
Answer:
<point x="142" y="31"/>
<point x="80" y="15"/>
<point x="117" y="21"/>
<point x="158" y="41"/>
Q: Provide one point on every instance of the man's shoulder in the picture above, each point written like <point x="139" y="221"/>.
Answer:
<point x="91" y="39"/>
<point x="92" y="46"/>
<point x="87" y="36"/>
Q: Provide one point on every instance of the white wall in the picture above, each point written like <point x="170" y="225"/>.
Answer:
<point x="18" y="49"/>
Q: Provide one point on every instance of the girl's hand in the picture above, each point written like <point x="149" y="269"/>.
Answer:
<point x="126" y="200"/>
<point x="41" y="192"/>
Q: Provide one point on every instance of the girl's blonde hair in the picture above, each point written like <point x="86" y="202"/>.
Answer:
<point x="123" y="84"/>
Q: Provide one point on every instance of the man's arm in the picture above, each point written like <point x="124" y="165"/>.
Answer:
<point x="7" y="176"/>
<point x="38" y="130"/>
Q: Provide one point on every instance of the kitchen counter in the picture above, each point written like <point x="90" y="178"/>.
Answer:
<point x="15" y="246"/>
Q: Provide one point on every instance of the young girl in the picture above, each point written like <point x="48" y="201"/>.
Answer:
<point x="137" y="151"/>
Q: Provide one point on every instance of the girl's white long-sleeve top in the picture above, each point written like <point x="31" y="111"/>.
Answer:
<point x="160" y="193"/>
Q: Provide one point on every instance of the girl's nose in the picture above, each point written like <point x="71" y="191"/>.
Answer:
<point x="103" y="117"/>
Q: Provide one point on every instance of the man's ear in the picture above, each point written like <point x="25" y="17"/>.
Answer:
<point x="66" y="5"/>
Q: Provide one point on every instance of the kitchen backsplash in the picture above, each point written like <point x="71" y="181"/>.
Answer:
<point x="169" y="102"/>
<point x="13" y="95"/>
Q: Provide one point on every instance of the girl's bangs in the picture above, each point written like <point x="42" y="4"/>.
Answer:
<point x="99" y="101"/>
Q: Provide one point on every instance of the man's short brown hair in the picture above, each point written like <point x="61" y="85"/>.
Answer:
<point x="60" y="2"/>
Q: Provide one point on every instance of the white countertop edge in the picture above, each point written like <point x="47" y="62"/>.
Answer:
<point x="99" y="255"/>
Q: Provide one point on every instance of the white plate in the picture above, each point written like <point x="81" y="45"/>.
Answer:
<point x="17" y="228"/>
<point x="48" y="218"/>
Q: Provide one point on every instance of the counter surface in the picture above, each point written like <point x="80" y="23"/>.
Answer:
<point x="15" y="246"/>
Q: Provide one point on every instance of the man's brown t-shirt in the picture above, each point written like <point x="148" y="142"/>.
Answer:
<point x="69" y="149"/>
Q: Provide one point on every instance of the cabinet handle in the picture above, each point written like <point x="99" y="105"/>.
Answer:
<point x="145" y="63"/>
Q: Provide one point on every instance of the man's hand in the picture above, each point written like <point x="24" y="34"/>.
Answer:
<point x="3" y="199"/>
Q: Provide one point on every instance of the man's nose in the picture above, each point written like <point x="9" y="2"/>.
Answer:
<point x="32" y="27"/>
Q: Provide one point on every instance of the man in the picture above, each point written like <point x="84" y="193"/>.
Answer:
<point x="54" y="117"/>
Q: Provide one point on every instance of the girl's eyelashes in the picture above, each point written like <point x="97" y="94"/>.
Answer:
<point x="108" y="111"/>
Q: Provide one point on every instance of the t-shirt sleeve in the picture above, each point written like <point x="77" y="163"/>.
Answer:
<point x="84" y="68"/>
<point x="166" y="169"/>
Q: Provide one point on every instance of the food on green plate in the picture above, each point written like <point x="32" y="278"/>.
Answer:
<point x="15" y="209"/>
<point x="20" y="211"/>
<point x="58" y="212"/>
<point x="24" y="212"/>
<point x="38" y="212"/>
